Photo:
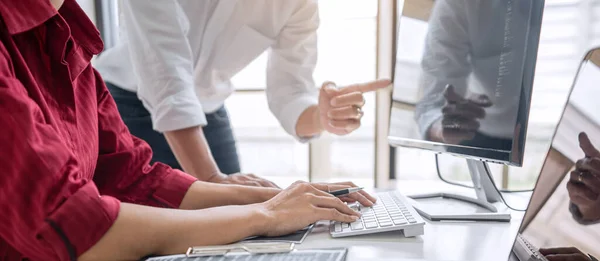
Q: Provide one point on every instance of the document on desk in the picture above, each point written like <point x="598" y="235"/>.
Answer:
<point x="337" y="254"/>
<point x="296" y="237"/>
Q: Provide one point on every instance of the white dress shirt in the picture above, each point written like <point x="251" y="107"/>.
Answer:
<point x="179" y="56"/>
<point x="478" y="47"/>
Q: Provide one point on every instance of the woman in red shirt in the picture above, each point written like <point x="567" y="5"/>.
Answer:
<point x="75" y="184"/>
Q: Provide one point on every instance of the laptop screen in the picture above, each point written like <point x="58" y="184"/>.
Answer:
<point x="563" y="217"/>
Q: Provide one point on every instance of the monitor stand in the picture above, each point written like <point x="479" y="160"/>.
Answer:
<point x="481" y="207"/>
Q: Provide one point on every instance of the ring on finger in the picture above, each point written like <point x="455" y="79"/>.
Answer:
<point x="580" y="177"/>
<point x="359" y="112"/>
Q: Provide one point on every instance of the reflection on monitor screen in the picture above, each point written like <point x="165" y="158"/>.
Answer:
<point x="563" y="217"/>
<point x="463" y="76"/>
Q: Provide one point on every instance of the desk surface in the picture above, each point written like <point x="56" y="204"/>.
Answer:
<point x="447" y="241"/>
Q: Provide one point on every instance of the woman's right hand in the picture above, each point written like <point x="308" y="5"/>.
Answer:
<point x="303" y="204"/>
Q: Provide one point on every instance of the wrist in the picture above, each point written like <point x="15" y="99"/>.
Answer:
<point x="260" y="218"/>
<point x="214" y="177"/>
<point x="268" y="193"/>
<point x="317" y="120"/>
<point x="309" y="123"/>
<point x="434" y="131"/>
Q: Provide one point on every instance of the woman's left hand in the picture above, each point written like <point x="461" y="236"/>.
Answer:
<point x="340" y="108"/>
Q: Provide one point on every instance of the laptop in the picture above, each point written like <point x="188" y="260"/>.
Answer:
<point x="560" y="222"/>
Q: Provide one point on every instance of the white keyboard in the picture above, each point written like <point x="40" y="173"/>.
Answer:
<point x="391" y="212"/>
<point x="525" y="251"/>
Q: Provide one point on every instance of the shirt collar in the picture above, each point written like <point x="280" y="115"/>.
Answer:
<point x="82" y="28"/>
<point x="24" y="15"/>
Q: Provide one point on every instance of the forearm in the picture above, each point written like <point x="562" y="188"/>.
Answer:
<point x="170" y="231"/>
<point x="206" y="195"/>
<point x="309" y="123"/>
<point x="192" y="152"/>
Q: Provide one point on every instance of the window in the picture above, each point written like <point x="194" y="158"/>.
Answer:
<point x="347" y="54"/>
<point x="569" y="28"/>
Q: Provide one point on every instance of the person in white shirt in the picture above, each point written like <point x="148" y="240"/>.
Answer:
<point x="472" y="72"/>
<point x="171" y="75"/>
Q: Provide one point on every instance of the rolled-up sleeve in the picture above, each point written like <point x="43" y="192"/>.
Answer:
<point x="124" y="171"/>
<point x="162" y="61"/>
<point x="445" y="60"/>
<point x="292" y="60"/>
<point x="48" y="211"/>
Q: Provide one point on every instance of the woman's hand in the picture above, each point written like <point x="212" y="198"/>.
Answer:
<point x="361" y="197"/>
<point x="303" y="204"/>
<point x="340" y="108"/>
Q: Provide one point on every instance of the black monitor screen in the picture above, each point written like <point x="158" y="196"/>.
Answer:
<point x="463" y="76"/>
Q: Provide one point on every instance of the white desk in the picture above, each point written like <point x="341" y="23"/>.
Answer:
<point x="443" y="241"/>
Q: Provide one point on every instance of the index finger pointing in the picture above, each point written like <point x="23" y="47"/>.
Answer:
<point x="587" y="147"/>
<point x="366" y="87"/>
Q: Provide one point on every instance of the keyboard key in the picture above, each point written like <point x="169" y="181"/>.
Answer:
<point x="398" y="217"/>
<point x="385" y="224"/>
<point x="357" y="225"/>
<point x="412" y="221"/>
<point x="371" y="224"/>
<point x="345" y="225"/>
<point x="387" y="220"/>
<point x="338" y="227"/>
<point x="400" y="222"/>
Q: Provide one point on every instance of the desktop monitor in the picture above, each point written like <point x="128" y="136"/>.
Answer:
<point x="462" y="84"/>
<point x="564" y="210"/>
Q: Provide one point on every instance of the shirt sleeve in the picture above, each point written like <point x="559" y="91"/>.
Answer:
<point x="292" y="60"/>
<point x="124" y="171"/>
<point x="445" y="60"/>
<point x="162" y="61"/>
<point x="48" y="211"/>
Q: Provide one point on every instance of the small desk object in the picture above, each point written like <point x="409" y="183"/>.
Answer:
<point x="256" y="252"/>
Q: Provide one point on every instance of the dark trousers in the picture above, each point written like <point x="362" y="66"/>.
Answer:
<point x="218" y="132"/>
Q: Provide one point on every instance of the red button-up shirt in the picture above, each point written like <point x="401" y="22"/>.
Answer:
<point x="66" y="158"/>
